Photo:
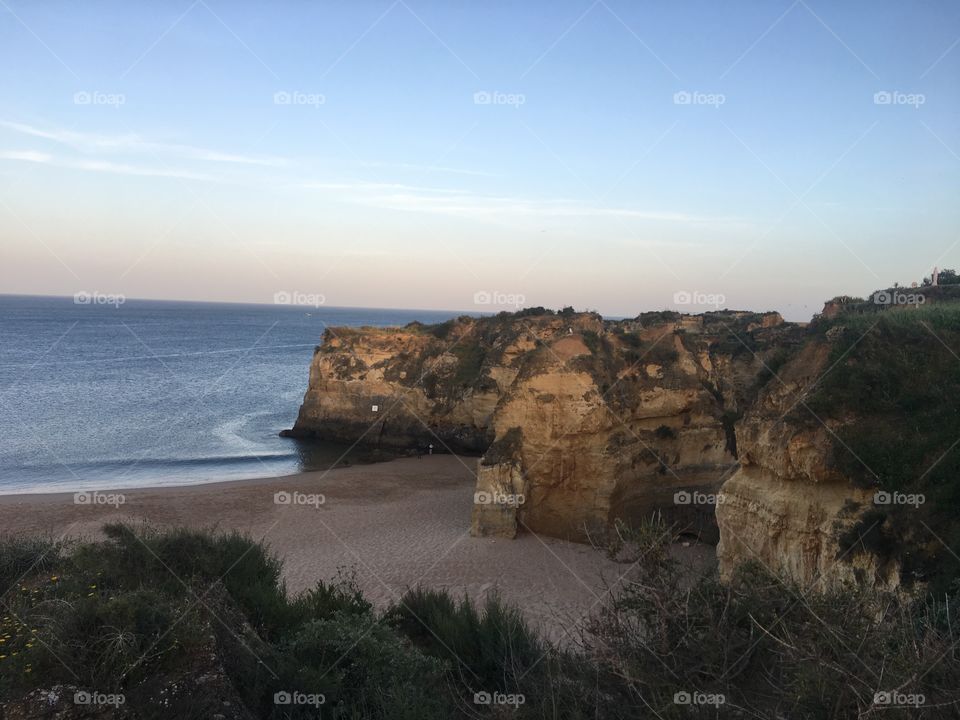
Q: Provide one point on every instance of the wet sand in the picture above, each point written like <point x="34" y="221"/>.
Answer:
<point x="396" y="524"/>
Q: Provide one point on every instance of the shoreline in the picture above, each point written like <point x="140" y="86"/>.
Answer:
<point x="92" y="487"/>
<point x="396" y="524"/>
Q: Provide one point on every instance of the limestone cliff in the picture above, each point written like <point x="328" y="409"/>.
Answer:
<point x="787" y="505"/>
<point x="849" y="460"/>
<point x="579" y="420"/>
<point x="772" y="438"/>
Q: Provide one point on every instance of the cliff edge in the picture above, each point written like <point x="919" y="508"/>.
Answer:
<point x="578" y="420"/>
<point x="824" y="452"/>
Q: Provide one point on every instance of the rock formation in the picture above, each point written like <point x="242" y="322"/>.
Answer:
<point x="787" y="505"/>
<point x="767" y="437"/>
<point x="579" y="421"/>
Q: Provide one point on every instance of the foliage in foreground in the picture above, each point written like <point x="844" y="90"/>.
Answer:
<point x="771" y="648"/>
<point x="192" y="624"/>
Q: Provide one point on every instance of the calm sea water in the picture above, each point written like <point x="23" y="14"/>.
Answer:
<point x="158" y="393"/>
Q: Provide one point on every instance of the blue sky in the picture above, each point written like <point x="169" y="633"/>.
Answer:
<point x="228" y="151"/>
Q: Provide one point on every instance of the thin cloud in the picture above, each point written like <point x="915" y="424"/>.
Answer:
<point x="133" y="143"/>
<point x="100" y="165"/>
<point x="431" y="168"/>
<point x="26" y="155"/>
<point x="409" y="198"/>
<point x="370" y="187"/>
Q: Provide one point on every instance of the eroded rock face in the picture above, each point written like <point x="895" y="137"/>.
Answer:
<point x="580" y="421"/>
<point x="704" y="419"/>
<point x="501" y="491"/>
<point x="787" y="506"/>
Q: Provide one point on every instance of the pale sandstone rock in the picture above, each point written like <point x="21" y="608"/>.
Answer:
<point x="610" y="428"/>
<point x="787" y="506"/>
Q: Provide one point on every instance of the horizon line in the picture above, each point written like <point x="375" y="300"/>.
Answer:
<point x="475" y="312"/>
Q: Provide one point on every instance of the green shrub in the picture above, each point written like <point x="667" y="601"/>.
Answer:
<point x="22" y="555"/>
<point x="490" y="647"/>
<point x="592" y="340"/>
<point x="359" y="663"/>
<point x="665" y="432"/>
<point x="182" y="558"/>
<point x="123" y="615"/>
<point x="771" y="647"/>
<point x="471" y="357"/>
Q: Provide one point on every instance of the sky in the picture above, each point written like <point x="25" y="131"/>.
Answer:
<point x="614" y="156"/>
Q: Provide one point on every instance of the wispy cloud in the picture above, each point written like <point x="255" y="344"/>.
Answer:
<point x="130" y="154"/>
<point x="100" y="165"/>
<point x="431" y="169"/>
<point x="26" y="155"/>
<point x="365" y="187"/>
<point x="135" y="144"/>
<point x="466" y="204"/>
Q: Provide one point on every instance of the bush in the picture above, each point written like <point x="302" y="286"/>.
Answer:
<point x="361" y="664"/>
<point x="155" y="615"/>
<point x="665" y="432"/>
<point x="179" y="559"/>
<point x="592" y="340"/>
<point x="491" y="647"/>
<point x="22" y="555"/>
<point x="471" y="357"/>
<point x="768" y="646"/>
<point x="180" y="620"/>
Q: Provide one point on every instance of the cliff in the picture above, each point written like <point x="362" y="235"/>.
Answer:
<point x="770" y="438"/>
<point x="579" y="420"/>
<point x="787" y="505"/>
<point x="849" y="469"/>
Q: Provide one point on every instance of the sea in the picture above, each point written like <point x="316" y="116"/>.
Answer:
<point x="103" y="394"/>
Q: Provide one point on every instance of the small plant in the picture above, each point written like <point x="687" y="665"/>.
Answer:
<point x="665" y="432"/>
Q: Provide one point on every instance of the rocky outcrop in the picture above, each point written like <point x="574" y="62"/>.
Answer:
<point x="768" y="437"/>
<point x="379" y="387"/>
<point x="787" y="506"/>
<point x="579" y="421"/>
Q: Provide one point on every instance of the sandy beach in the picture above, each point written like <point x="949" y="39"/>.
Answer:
<point x="396" y="524"/>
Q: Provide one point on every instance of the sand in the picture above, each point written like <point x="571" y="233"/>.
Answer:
<point x="396" y="524"/>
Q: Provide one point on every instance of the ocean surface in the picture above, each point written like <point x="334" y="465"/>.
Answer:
<point x="151" y="393"/>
